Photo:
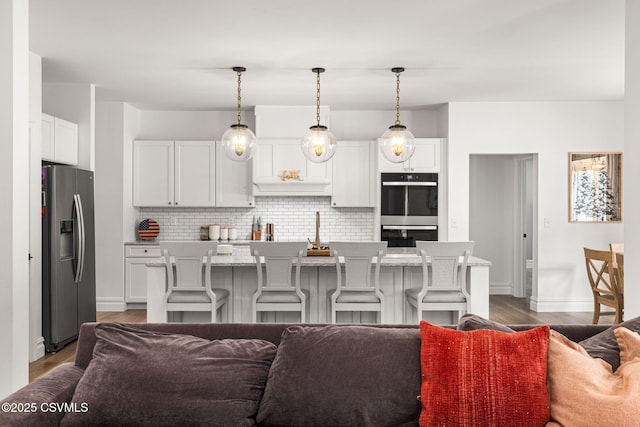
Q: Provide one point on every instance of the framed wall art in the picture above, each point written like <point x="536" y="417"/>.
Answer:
<point x="595" y="187"/>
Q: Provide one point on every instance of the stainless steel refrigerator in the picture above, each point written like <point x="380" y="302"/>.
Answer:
<point x="68" y="254"/>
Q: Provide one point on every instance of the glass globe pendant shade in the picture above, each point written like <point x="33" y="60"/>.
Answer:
<point x="397" y="144"/>
<point x="238" y="142"/>
<point x="318" y="144"/>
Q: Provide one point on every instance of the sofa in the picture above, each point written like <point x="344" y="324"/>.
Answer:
<point x="309" y="375"/>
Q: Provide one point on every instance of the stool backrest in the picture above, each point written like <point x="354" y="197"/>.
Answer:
<point x="358" y="259"/>
<point x="279" y="259"/>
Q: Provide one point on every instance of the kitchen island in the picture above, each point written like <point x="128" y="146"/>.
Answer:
<point x="401" y="269"/>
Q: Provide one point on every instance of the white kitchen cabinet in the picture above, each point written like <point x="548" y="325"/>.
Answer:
<point x="135" y="271"/>
<point x="274" y="157"/>
<point x="194" y="183"/>
<point x="354" y="174"/>
<point x="59" y="140"/>
<point x="48" y="148"/>
<point x="426" y="158"/>
<point x="234" y="185"/>
<point x="174" y="173"/>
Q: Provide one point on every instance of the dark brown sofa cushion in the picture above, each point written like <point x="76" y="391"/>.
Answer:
<point x="343" y="375"/>
<point x="54" y="388"/>
<point x="139" y="377"/>
<point x="602" y="345"/>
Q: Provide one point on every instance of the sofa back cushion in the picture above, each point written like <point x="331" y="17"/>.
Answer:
<point x="343" y="375"/>
<point x="210" y="331"/>
<point x="139" y="377"/>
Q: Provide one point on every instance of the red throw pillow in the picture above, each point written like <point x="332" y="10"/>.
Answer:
<point x="483" y="377"/>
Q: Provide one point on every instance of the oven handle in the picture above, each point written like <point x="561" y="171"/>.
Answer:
<point x="409" y="184"/>
<point x="409" y="227"/>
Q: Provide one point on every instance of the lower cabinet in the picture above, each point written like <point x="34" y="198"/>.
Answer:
<point x="135" y="271"/>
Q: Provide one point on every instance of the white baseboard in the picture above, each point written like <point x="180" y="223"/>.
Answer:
<point x="37" y="351"/>
<point x="110" y="304"/>
<point x="500" y="289"/>
<point x="561" y="305"/>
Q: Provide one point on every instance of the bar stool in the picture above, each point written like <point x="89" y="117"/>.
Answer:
<point x="276" y="292"/>
<point x="444" y="283"/>
<point x="356" y="293"/>
<point x="190" y="287"/>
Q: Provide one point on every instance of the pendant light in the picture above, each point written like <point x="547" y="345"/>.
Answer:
<point x="238" y="141"/>
<point x="318" y="144"/>
<point x="397" y="144"/>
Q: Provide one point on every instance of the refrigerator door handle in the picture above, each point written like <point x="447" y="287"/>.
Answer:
<point x="81" y="238"/>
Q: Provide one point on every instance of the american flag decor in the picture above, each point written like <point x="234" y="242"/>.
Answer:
<point x="148" y="229"/>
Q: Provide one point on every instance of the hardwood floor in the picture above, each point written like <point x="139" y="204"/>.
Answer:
<point x="511" y="310"/>
<point x="504" y="309"/>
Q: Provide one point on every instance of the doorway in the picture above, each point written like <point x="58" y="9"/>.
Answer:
<point x="502" y="218"/>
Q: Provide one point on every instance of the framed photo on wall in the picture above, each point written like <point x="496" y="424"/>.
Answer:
<point x="595" y="187"/>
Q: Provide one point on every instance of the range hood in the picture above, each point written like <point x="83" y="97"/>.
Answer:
<point x="279" y="167"/>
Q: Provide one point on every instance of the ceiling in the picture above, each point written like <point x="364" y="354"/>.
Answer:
<point x="177" y="55"/>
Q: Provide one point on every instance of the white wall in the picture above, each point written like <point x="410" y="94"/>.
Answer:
<point x="14" y="192"/>
<point x="491" y="219"/>
<point x="632" y="154"/>
<point x="131" y="129"/>
<point x="36" y="340"/>
<point x="552" y="130"/>
<point x="74" y="102"/>
<point x="371" y="124"/>
<point x="356" y="125"/>
<point x="115" y="124"/>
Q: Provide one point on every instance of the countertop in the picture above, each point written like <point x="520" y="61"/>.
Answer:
<point x="157" y="242"/>
<point x="403" y="257"/>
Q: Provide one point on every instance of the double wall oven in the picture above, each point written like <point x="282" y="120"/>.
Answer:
<point x="408" y="208"/>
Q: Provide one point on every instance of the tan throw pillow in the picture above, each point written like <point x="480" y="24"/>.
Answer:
<point x="585" y="392"/>
<point x="629" y="343"/>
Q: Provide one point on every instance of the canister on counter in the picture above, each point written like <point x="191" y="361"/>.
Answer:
<point x="233" y="233"/>
<point x="204" y="232"/>
<point x="224" y="233"/>
<point x="214" y="232"/>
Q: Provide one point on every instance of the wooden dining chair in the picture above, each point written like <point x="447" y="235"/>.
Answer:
<point x="615" y="248"/>
<point x="619" y="275"/>
<point x="603" y="284"/>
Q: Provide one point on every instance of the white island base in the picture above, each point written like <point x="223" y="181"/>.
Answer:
<point x="237" y="273"/>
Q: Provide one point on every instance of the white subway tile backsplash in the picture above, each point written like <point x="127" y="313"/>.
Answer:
<point x="293" y="218"/>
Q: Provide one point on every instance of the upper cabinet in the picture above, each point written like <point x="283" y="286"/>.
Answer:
<point x="59" y="140"/>
<point x="354" y="174"/>
<point x="280" y="169"/>
<point x="234" y="185"/>
<point x="426" y="158"/>
<point x="174" y="173"/>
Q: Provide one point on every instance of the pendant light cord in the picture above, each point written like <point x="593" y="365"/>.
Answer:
<point x="397" y="98"/>
<point x="239" y="97"/>
<point x="318" y="98"/>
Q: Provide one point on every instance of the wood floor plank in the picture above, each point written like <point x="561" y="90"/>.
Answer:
<point x="503" y="308"/>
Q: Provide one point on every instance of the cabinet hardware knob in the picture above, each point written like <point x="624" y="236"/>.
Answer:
<point x="145" y="251"/>
<point x="169" y="203"/>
